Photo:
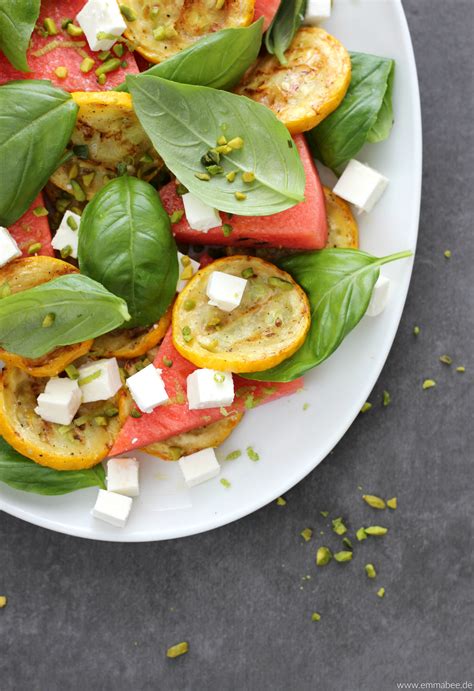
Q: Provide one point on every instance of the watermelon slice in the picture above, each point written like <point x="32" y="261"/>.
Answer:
<point x="31" y="229"/>
<point x="175" y="417"/>
<point x="266" y="9"/>
<point x="303" y="227"/>
<point x="47" y="53"/>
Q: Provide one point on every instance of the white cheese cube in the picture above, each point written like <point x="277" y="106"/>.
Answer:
<point x="67" y="235"/>
<point x="207" y="388"/>
<point x="99" y="380"/>
<point x="8" y="247"/>
<point x="122" y="476"/>
<point x="112" y="508"/>
<point x="380" y="296"/>
<point x="199" y="467"/>
<point x="360" y="185"/>
<point x="60" y="401"/>
<point x="317" y="10"/>
<point x="200" y="215"/>
<point x="147" y="388"/>
<point x="225" y="291"/>
<point x="101" y="16"/>
<point x="187" y="267"/>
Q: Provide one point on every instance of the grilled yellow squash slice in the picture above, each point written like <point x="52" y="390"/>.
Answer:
<point x="342" y="227"/>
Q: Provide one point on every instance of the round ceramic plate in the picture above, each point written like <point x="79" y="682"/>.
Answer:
<point x="289" y="440"/>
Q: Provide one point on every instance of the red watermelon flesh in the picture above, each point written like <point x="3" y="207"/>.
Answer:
<point x="175" y="417"/>
<point x="266" y="9"/>
<point x="304" y="226"/>
<point x="67" y="52"/>
<point x="31" y="229"/>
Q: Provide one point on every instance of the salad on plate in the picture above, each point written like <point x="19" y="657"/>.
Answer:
<point x="169" y="258"/>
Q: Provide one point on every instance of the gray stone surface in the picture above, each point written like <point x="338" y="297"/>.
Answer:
<point x="85" y="615"/>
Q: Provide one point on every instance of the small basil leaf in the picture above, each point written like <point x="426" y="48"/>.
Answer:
<point x="185" y="121"/>
<point x="21" y="473"/>
<point x="17" y="21"/>
<point x="339" y="286"/>
<point x="364" y="115"/>
<point x="218" y="60"/>
<point x="36" y="123"/>
<point x="285" y="24"/>
<point x="125" y="243"/>
<point x="66" y="310"/>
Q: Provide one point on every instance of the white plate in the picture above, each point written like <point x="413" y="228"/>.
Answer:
<point x="291" y="442"/>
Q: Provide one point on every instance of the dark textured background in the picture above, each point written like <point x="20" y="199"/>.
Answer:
<point x="85" y="615"/>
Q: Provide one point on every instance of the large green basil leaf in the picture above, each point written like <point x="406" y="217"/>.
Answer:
<point x="36" y="122"/>
<point x="339" y="285"/>
<point x="125" y="243"/>
<point x="364" y="115"/>
<point x="285" y="24"/>
<point x="66" y="310"/>
<point x="21" y="473"/>
<point x="185" y="121"/>
<point x="218" y="60"/>
<point x="17" y="21"/>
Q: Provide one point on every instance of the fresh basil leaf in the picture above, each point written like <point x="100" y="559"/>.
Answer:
<point x="66" y="310"/>
<point x="125" y="243"/>
<point x="17" y="21"/>
<point x="218" y="60"/>
<point x="36" y="122"/>
<point x="184" y="122"/>
<point x="285" y="24"/>
<point x="339" y="285"/>
<point x="364" y="114"/>
<point x="19" y="472"/>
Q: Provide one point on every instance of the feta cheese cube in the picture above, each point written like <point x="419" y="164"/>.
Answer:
<point x="199" y="467"/>
<point x="187" y="267"/>
<point x="8" y="247"/>
<point x="380" y="296"/>
<point x="112" y="508"/>
<point x="60" y="401"/>
<point x="207" y="388"/>
<point x="122" y="476"/>
<point x="225" y="291"/>
<point x="101" y="16"/>
<point x="360" y="185"/>
<point x="99" y="380"/>
<point x="67" y="235"/>
<point x="147" y="388"/>
<point x="317" y="10"/>
<point x="200" y="215"/>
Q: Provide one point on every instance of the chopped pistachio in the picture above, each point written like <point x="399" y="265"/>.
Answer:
<point x="233" y="455"/>
<point x="176" y="216"/>
<point x="240" y="196"/>
<point x="118" y="49"/>
<point x="386" y="399"/>
<point x="219" y="377"/>
<point x="324" y="514"/>
<point x="338" y="526"/>
<point x="248" y="177"/>
<point x="65" y="251"/>
<point x="72" y="223"/>
<point x="104" y="55"/>
<point x="205" y="177"/>
<point x="428" y="384"/>
<point x="253" y="455"/>
<point x="167" y="362"/>
<point x="90" y="377"/>
<point x="127" y="12"/>
<point x="223" y="411"/>
<point x="381" y="592"/>
<point x="100" y="421"/>
<point x="231" y="176"/>
<point x="34" y="248"/>
<point x="136" y="413"/>
<point x="224" y="149"/>
<point x="74" y="30"/>
<point x="50" y="26"/>
<point x="40" y="211"/>
<point x="323" y="556"/>
<point x="177" y="650"/>
<point x="189" y="305"/>
<point x="461" y="369"/>
<point x="221" y="140"/>
<point x="347" y="543"/>
<point x="226" y="229"/>
<point x="306" y="534"/>
<point x="236" y="143"/>
<point x="73" y="171"/>
<point x="187" y="335"/>
<point x="181" y="189"/>
<point x="446" y="360"/>
<point x="315" y="616"/>
<point x="77" y="191"/>
<point x="48" y="320"/>
<point x="3" y="601"/>
<point x="392" y="503"/>
<point x="72" y="372"/>
<point x="373" y="501"/>
<point x="370" y="570"/>
<point x="111" y="411"/>
<point x="65" y="23"/>
<point x="366" y="407"/>
<point x="416" y="330"/>
<point x="376" y="530"/>
<point x="108" y="66"/>
<point x="361" y="534"/>
<point x="447" y="254"/>
<point x="86" y="65"/>
<point x="247" y="273"/>
<point x="343" y="556"/>
<point x="225" y="483"/>
<point x="61" y="72"/>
